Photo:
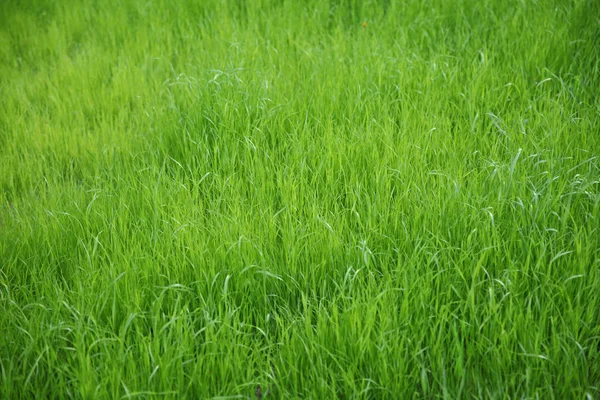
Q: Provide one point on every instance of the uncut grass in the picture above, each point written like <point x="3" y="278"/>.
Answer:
<point x="198" y="198"/>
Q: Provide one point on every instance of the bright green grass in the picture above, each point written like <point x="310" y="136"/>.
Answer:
<point x="199" y="197"/>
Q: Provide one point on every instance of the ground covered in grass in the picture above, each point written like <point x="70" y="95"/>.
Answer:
<point x="329" y="199"/>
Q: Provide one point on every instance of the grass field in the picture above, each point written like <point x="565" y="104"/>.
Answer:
<point x="329" y="199"/>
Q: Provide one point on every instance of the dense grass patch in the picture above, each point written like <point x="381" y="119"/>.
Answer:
<point x="200" y="197"/>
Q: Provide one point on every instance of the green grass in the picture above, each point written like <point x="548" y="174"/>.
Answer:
<point x="197" y="197"/>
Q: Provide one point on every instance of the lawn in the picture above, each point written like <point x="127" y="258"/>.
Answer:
<point x="300" y="199"/>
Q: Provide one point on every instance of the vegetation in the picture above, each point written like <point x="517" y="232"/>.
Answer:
<point x="329" y="199"/>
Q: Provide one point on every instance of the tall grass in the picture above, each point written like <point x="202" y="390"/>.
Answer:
<point x="200" y="197"/>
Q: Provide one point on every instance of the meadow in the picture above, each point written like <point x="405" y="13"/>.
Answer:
<point x="323" y="198"/>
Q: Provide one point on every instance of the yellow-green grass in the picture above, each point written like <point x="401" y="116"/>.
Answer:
<point x="199" y="197"/>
